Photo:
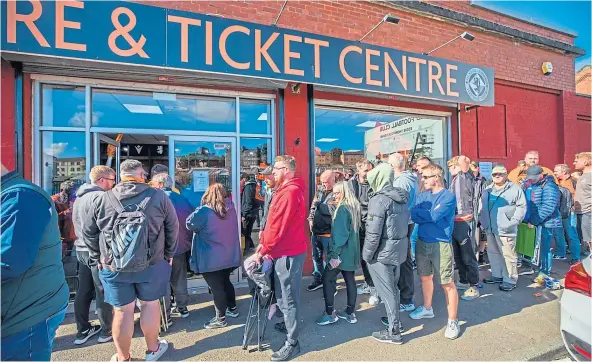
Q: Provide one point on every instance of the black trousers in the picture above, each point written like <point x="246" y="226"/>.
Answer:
<point x="178" y="282"/>
<point x="367" y="276"/>
<point x="465" y="260"/>
<point x="330" y="286"/>
<point x="406" y="278"/>
<point x="248" y="230"/>
<point x="89" y="286"/>
<point x="222" y="290"/>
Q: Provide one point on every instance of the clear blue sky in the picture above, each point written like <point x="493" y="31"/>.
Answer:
<point x="566" y="15"/>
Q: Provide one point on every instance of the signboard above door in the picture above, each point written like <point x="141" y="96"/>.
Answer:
<point x="129" y="33"/>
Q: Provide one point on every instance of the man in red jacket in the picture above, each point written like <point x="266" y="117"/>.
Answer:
<point x="284" y="239"/>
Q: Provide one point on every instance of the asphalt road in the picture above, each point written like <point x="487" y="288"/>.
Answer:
<point x="520" y="325"/>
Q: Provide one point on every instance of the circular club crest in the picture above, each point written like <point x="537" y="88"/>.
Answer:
<point x="477" y="84"/>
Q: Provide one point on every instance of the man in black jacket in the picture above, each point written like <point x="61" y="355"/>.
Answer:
<point x="319" y="220"/>
<point x="249" y="209"/>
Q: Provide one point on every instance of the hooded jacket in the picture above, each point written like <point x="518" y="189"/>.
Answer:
<point x="502" y="209"/>
<point x="542" y="199"/>
<point x="216" y="244"/>
<point x="322" y="211"/>
<point x="388" y="216"/>
<point x="463" y="187"/>
<point x="183" y="209"/>
<point x="407" y="180"/>
<point x="249" y="206"/>
<point x="362" y="192"/>
<point x="163" y="225"/>
<point x="33" y="283"/>
<point x="82" y="212"/>
<point x="284" y="233"/>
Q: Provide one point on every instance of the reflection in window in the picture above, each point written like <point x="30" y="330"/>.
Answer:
<point x="163" y="111"/>
<point x="61" y="151"/>
<point x="346" y="136"/>
<point x="255" y="152"/>
<point x="255" y="117"/>
<point x="63" y="106"/>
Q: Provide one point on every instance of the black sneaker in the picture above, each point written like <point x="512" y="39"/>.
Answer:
<point x="384" y="321"/>
<point x="481" y="258"/>
<point x="182" y="312"/>
<point x="385" y="337"/>
<point x="317" y="284"/>
<point x="492" y="280"/>
<point x="287" y="352"/>
<point x="82" y="337"/>
<point x="281" y="327"/>
<point x="232" y="312"/>
<point x="216" y="323"/>
<point x="507" y="287"/>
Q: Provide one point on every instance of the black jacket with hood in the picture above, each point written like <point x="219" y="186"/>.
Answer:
<point x="82" y="212"/>
<point x="249" y="206"/>
<point x="388" y="216"/>
<point x="163" y="225"/>
<point x="362" y="193"/>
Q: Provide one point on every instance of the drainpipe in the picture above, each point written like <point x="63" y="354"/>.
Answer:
<point x="458" y="127"/>
<point x="311" y="140"/>
<point x="18" y="118"/>
<point x="282" y="122"/>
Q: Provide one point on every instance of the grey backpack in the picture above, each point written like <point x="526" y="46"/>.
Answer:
<point x="129" y="238"/>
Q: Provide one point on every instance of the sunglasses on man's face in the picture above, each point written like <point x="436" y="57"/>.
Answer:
<point x="498" y="175"/>
<point x="425" y="177"/>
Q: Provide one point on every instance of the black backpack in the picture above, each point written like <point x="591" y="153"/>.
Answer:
<point x="130" y="249"/>
<point x="323" y="217"/>
<point x="565" y="202"/>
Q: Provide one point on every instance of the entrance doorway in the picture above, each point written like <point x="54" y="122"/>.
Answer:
<point x="194" y="162"/>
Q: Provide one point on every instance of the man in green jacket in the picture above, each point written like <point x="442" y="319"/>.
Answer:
<point x="34" y="289"/>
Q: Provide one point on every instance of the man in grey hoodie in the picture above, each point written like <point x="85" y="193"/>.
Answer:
<point x="102" y="178"/>
<point x="406" y="180"/>
<point x="503" y="206"/>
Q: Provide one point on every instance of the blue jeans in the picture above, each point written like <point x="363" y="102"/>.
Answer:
<point x="545" y="252"/>
<point x="569" y="229"/>
<point x="35" y="343"/>
<point x="319" y="244"/>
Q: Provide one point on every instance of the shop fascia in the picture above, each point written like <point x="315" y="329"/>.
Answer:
<point x="132" y="33"/>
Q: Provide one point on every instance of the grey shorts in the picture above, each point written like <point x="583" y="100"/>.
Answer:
<point x="435" y="259"/>
<point x="585" y="227"/>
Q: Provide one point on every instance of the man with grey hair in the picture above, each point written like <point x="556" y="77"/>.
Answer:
<point x="183" y="209"/>
<point x="319" y="219"/>
<point x="406" y="180"/>
<point x="133" y="244"/>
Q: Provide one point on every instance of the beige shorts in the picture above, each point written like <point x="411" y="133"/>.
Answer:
<point x="435" y="259"/>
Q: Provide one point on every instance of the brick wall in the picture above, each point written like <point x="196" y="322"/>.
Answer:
<point x="414" y="33"/>
<point x="7" y="145"/>
<point x="584" y="80"/>
<point x="577" y="125"/>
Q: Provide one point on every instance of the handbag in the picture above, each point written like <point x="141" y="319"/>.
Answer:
<point x="525" y="240"/>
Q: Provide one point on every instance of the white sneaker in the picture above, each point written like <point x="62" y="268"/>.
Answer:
<point x="374" y="298"/>
<point x="421" y="312"/>
<point x="162" y="348"/>
<point x="452" y="330"/>
<point x="364" y="289"/>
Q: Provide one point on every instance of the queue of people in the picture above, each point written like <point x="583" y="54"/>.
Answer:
<point x="135" y="242"/>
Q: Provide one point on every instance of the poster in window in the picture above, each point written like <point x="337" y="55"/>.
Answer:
<point x="200" y="181"/>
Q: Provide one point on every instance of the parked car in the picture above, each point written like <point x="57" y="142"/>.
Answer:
<point x="576" y="310"/>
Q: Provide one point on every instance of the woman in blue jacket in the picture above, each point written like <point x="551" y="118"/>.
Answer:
<point x="215" y="251"/>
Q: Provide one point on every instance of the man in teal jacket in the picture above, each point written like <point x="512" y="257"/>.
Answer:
<point x="34" y="289"/>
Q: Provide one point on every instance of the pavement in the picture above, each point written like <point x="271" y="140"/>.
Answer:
<point x="519" y="325"/>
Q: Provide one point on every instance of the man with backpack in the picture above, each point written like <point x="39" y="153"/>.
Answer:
<point x="132" y="236"/>
<point x="319" y="219"/>
<point x="567" y="189"/>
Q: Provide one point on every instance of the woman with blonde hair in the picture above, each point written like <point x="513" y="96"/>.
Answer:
<point x="215" y="251"/>
<point x="343" y="254"/>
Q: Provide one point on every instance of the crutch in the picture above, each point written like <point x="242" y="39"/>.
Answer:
<point x="164" y="318"/>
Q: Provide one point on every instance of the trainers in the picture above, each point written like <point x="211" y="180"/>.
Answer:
<point x="349" y="318"/>
<point x="288" y="351"/>
<point x="155" y="355"/>
<point x="104" y="337"/>
<point x="216" y="323"/>
<point x="327" y="319"/>
<point x="525" y="270"/>
<point x="385" y="323"/>
<point x="492" y="280"/>
<point x="557" y="257"/>
<point x="374" y="298"/>
<point x="115" y="359"/>
<point x="462" y="286"/>
<point x="506" y="287"/>
<point x="232" y="312"/>
<point x="540" y="279"/>
<point x="281" y="327"/>
<point x="82" y="337"/>
<point x="421" y="312"/>
<point x="385" y="337"/>
<point x="452" y="330"/>
<point x="407" y="307"/>
<point x="364" y="289"/>
<point x="470" y="294"/>
<point x="317" y="284"/>
<point x="182" y="312"/>
<point x="481" y="258"/>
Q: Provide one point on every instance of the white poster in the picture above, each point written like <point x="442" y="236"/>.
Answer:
<point x="401" y="135"/>
<point x="201" y="181"/>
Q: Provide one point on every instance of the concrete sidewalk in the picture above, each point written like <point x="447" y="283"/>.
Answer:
<point x="498" y="326"/>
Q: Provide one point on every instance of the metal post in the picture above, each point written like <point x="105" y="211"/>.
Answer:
<point x="18" y="118"/>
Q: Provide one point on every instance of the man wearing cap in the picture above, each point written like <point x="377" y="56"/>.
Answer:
<point x="502" y="208"/>
<point x="542" y="197"/>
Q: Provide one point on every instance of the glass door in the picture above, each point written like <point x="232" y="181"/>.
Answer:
<point x="107" y="152"/>
<point x="197" y="162"/>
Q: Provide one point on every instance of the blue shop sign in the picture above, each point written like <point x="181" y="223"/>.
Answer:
<point x="130" y="33"/>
